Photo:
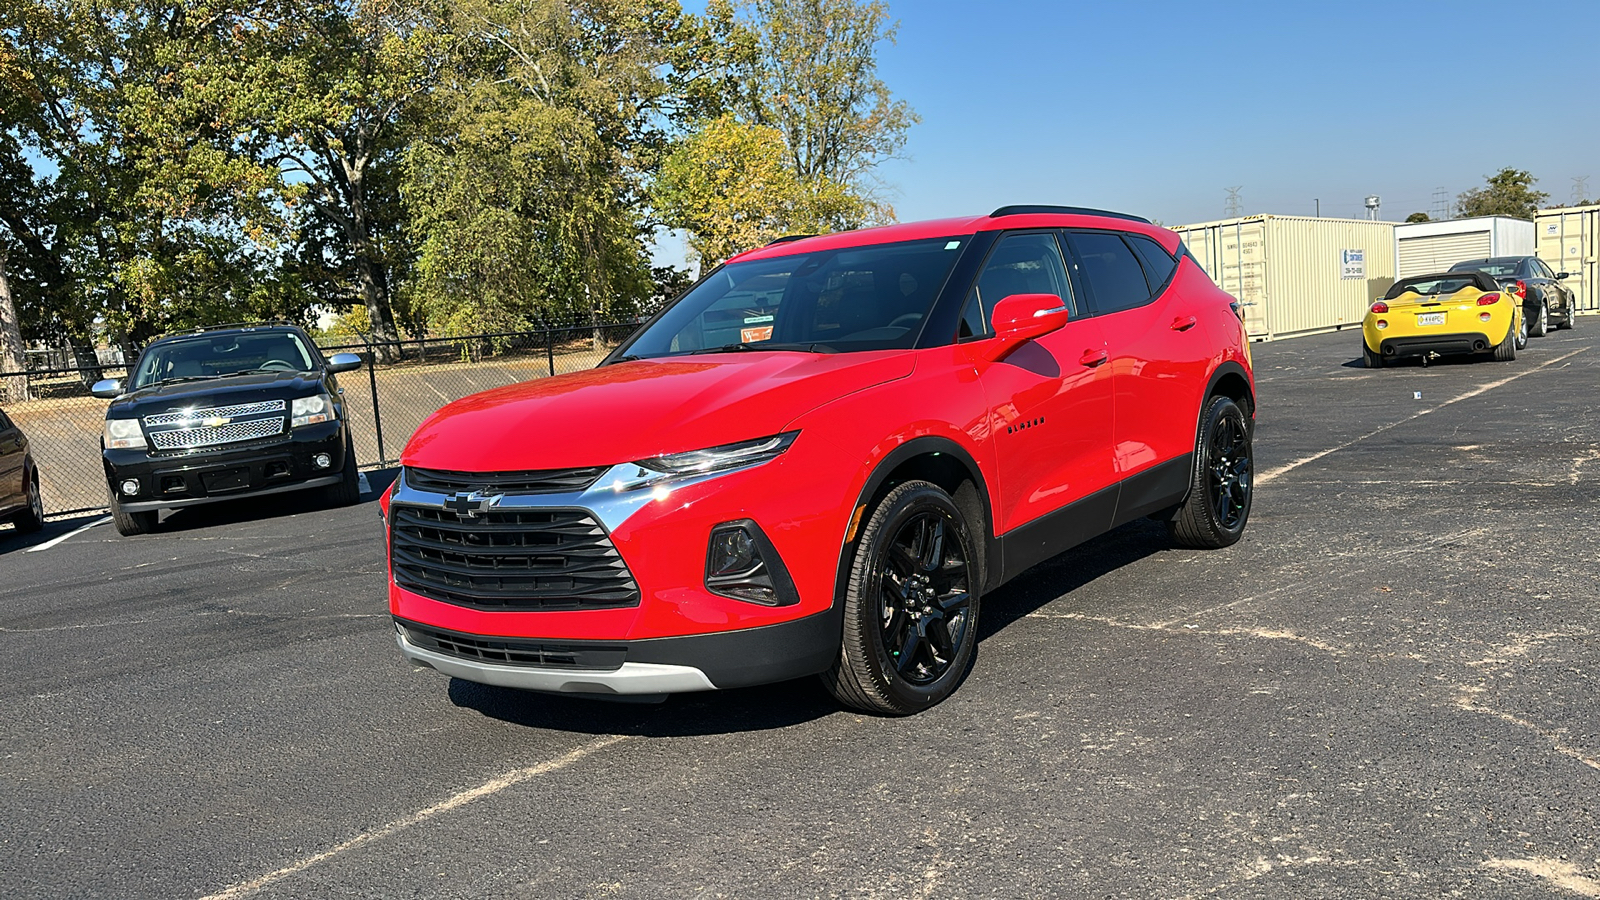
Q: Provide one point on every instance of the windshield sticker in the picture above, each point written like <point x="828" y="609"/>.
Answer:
<point x="952" y="245"/>
<point x="757" y="320"/>
<point x="752" y="335"/>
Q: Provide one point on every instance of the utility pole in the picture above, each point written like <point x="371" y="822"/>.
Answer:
<point x="1580" y="189"/>
<point x="1233" y="207"/>
<point x="1318" y="202"/>
<point x="1441" y="204"/>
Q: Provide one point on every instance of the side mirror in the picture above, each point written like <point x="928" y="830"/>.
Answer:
<point x="343" y="362"/>
<point x="1020" y="318"/>
<point x="108" y="389"/>
<point x="1561" y="275"/>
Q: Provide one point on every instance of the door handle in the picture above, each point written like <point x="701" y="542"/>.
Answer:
<point x="1092" y="358"/>
<point x="1183" y="323"/>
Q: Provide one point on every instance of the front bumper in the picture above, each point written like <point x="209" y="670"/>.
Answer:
<point x="210" y="475"/>
<point x="672" y="665"/>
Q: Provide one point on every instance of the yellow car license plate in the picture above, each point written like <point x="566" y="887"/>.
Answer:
<point x="1430" y="319"/>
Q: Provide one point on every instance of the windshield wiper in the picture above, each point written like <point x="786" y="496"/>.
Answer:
<point x="259" y="371"/>
<point x="177" y="378"/>
<point x="744" y="347"/>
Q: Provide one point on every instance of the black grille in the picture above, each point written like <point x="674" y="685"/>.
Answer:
<point x="512" y="652"/>
<point x="537" y="559"/>
<point x="549" y="481"/>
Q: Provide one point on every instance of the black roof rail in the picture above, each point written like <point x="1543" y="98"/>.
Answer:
<point x="1064" y="210"/>
<point x="790" y="237"/>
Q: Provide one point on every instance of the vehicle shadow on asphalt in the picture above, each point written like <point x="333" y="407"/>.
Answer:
<point x="248" y="509"/>
<point x="11" y="541"/>
<point x="774" y="706"/>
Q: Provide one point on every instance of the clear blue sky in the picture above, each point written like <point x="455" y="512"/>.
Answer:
<point x="1156" y="107"/>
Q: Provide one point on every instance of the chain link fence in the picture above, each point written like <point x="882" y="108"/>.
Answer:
<point x="401" y="384"/>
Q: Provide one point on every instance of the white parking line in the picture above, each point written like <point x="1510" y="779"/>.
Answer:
<point x="492" y="786"/>
<point x="1482" y="388"/>
<point x="74" y="533"/>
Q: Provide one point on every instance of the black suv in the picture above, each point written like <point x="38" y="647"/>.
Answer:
<point x="225" y="413"/>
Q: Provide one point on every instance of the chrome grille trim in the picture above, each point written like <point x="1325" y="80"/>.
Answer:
<point x="208" y="436"/>
<point x="196" y="415"/>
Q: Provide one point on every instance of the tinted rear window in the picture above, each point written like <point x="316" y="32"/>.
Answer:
<point x="1158" y="263"/>
<point x="1116" y="278"/>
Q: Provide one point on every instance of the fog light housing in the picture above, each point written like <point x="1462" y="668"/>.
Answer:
<point x="1382" y="324"/>
<point x="130" y="488"/>
<point x="322" y="460"/>
<point x="741" y="564"/>
<point x="1483" y="317"/>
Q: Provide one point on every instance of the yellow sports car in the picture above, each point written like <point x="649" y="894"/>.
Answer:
<point x="1434" y="315"/>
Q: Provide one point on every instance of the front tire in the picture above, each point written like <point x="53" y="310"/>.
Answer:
<point x="132" y="523"/>
<point x="348" y="491"/>
<point x="1221" y="482"/>
<point x="31" y="519"/>
<point x="910" y="607"/>
<point x="1541" y="322"/>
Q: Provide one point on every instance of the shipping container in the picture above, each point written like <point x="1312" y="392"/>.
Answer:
<point x="1296" y="275"/>
<point x="1425" y="247"/>
<point x="1569" y="241"/>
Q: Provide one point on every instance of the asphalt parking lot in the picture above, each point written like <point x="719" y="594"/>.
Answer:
<point x="1388" y="688"/>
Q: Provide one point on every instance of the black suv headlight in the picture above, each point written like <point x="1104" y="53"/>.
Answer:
<point x="311" y="410"/>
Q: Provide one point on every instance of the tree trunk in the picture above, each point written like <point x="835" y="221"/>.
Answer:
<point x="89" y="370"/>
<point x="371" y="271"/>
<point x="13" y="353"/>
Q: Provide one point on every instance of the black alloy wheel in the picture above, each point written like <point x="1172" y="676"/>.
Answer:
<point x="911" y="606"/>
<point x="1222" y="479"/>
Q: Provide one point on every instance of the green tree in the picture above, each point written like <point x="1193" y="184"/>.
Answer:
<point x="1418" y="217"/>
<point x="730" y="186"/>
<point x="814" y="77"/>
<point x="527" y="193"/>
<point x="1508" y="192"/>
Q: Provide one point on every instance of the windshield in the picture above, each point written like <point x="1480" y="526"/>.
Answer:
<point x="1499" y="268"/>
<point x="207" y="356"/>
<point x="855" y="298"/>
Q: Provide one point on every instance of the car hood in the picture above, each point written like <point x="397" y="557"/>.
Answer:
<point x="228" y="390"/>
<point x="640" y="409"/>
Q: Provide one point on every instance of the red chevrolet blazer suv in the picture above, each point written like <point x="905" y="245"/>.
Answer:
<point x="821" y="458"/>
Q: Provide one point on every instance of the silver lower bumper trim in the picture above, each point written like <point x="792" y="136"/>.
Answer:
<point x="631" y="678"/>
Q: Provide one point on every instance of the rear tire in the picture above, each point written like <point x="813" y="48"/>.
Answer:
<point x="31" y="519"/>
<point x="1570" y="320"/>
<point x="1506" y="350"/>
<point x="910" y="606"/>
<point x="1541" y="322"/>
<point x="348" y="491"/>
<point x="1373" y="360"/>
<point x="1221" y="480"/>
<point x="132" y="523"/>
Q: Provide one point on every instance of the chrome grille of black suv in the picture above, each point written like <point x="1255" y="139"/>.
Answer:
<point x="538" y="559"/>
<point x="515" y="652"/>
<point x="548" y="481"/>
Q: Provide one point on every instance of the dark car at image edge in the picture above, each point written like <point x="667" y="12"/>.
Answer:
<point x="222" y="414"/>
<point x="20" y="500"/>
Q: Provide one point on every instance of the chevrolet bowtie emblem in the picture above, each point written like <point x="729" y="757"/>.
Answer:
<point x="470" y="506"/>
<point x="216" y="421"/>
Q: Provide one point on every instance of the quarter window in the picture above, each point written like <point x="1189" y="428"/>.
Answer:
<point x="1158" y="263"/>
<point x="1027" y="263"/>
<point x="1116" y="279"/>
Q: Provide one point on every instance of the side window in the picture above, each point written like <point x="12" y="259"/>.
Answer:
<point x="1026" y="263"/>
<point x="1158" y="263"/>
<point x="5" y="423"/>
<point x="1116" y="279"/>
<point x="1542" y="270"/>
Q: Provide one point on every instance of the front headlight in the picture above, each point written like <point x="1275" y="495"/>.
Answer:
<point x="124" y="434"/>
<point x="725" y="458"/>
<point x="311" y="410"/>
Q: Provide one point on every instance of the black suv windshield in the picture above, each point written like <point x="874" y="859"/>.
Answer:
<point x="210" y="355"/>
<point x="856" y="298"/>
